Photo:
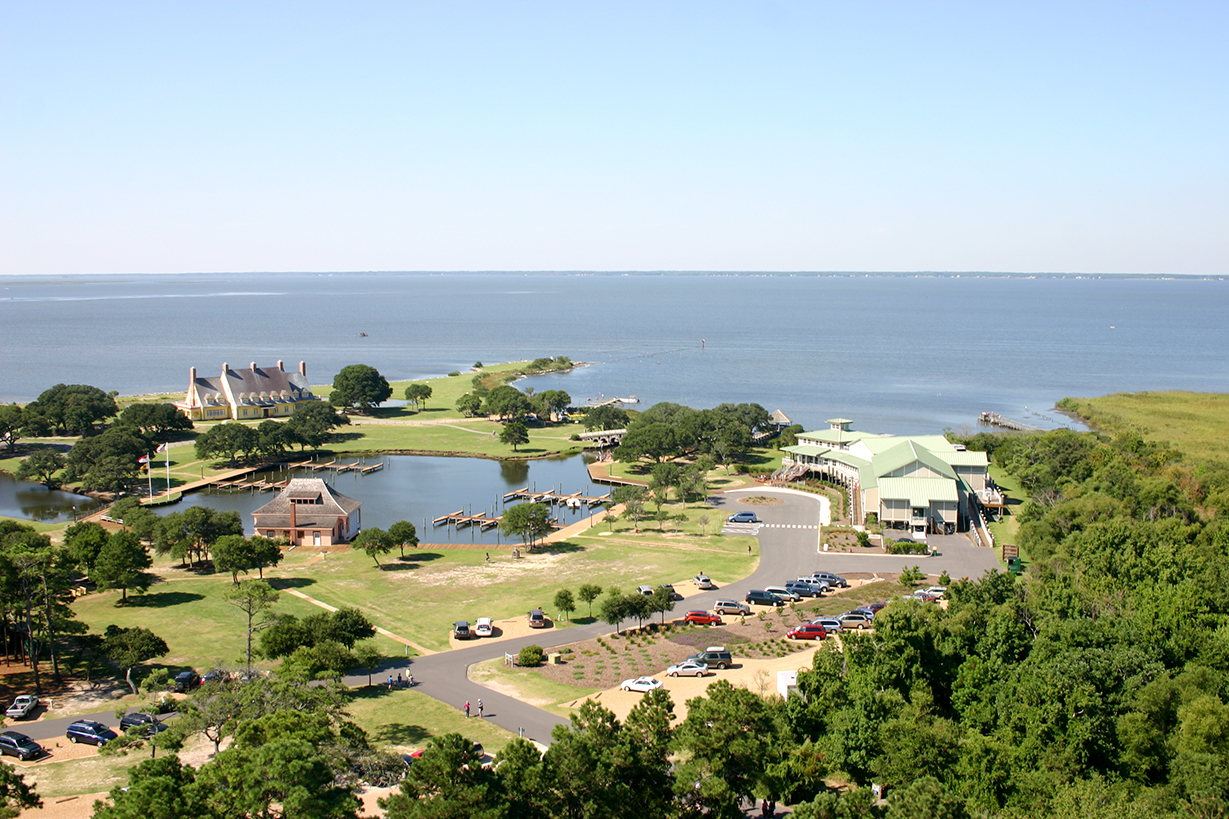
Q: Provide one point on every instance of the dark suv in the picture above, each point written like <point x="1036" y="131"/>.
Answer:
<point x="759" y="597"/>
<point x="19" y="745"/>
<point x="185" y="681"/>
<point x="150" y="724"/>
<point x="86" y="730"/>
<point x="714" y="657"/>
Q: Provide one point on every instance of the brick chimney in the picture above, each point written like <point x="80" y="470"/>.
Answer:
<point x="302" y="368"/>
<point x="253" y="366"/>
<point x="280" y="367"/>
<point x="225" y="369"/>
<point x="293" y="520"/>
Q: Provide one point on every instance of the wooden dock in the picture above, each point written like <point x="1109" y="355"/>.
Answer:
<point x="459" y="519"/>
<point x="551" y="496"/>
<point x="995" y="420"/>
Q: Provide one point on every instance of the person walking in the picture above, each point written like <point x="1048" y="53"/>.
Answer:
<point x="479" y="709"/>
<point x="467" y="709"/>
<point x="390" y="682"/>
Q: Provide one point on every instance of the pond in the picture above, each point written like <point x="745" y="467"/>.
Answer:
<point x="32" y="501"/>
<point x="421" y="488"/>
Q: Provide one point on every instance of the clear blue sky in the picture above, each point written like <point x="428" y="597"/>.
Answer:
<point x="239" y="136"/>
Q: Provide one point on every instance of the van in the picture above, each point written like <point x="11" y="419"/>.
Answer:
<point x="731" y="607"/>
<point x="759" y="597"/>
<point x="784" y="593"/>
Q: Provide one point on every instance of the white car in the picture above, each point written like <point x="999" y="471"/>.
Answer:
<point x="702" y="581"/>
<point x="688" y="668"/>
<point x="483" y="627"/>
<point x="22" y="706"/>
<point x="641" y="684"/>
<point x="938" y="591"/>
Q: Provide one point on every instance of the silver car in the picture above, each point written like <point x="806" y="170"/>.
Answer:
<point x="687" y="668"/>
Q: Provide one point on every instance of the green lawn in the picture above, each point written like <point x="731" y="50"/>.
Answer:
<point x="530" y="686"/>
<point x="470" y="437"/>
<point x="421" y="597"/>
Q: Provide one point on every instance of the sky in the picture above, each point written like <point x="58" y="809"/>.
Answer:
<point x="168" y="137"/>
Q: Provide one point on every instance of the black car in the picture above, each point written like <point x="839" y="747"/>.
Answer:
<point x="86" y="730"/>
<point x="150" y="724"/>
<point x="19" y="745"/>
<point x="186" y="680"/>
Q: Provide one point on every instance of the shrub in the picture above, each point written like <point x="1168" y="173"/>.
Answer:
<point x="454" y="372"/>
<point x="530" y="656"/>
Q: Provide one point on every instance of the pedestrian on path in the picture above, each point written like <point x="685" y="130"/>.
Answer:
<point x="390" y="682"/>
<point x="467" y="709"/>
<point x="480" y="709"/>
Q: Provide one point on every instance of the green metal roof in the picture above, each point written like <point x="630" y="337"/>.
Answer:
<point x="918" y="491"/>
<point x="906" y="453"/>
<point x="964" y="458"/>
<point x="806" y="449"/>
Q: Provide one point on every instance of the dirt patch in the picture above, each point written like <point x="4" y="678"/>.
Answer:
<point x="66" y="807"/>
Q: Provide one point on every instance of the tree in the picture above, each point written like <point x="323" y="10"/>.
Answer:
<point x="417" y="394"/>
<point x="13" y="420"/>
<point x="72" y="409"/>
<point x="234" y="554"/>
<point x="662" y="601"/>
<point x="514" y="433"/>
<point x="84" y="541"/>
<point x="273" y="437"/>
<point x="664" y="477"/>
<point x="657" y="441"/>
<point x="374" y="542"/>
<point x="253" y="598"/>
<point x="109" y="462"/>
<point x="507" y="402"/>
<point x="403" y="534"/>
<point x="359" y="387"/>
<point x="564" y="602"/>
<point x="912" y="576"/>
<point x="162" y="788"/>
<point x="469" y="404"/>
<point x="632" y="498"/>
<point x="154" y="421"/>
<point x="607" y="417"/>
<point x="15" y="793"/>
<point x="528" y="521"/>
<point x="312" y="423"/>
<point x="192" y="532"/>
<point x="227" y="440"/>
<point x="41" y="466"/>
<point x="728" y="737"/>
<point x="129" y="647"/>
<point x="553" y="402"/>
<point x="613" y="609"/>
<point x="266" y="552"/>
<point x="368" y="658"/>
<point x="121" y="563"/>
<point x="448" y="780"/>
<point x="589" y="592"/>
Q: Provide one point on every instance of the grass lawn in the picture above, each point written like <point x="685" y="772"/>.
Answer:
<point x="405" y="720"/>
<point x="1005" y="530"/>
<point x="1192" y="422"/>
<point x="471" y="437"/>
<point x="421" y="596"/>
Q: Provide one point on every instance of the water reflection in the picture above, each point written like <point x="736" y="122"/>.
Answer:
<point x="32" y="501"/>
<point x="422" y="488"/>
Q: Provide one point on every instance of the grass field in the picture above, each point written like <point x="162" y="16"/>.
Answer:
<point x="1192" y="422"/>
<point x="405" y="720"/>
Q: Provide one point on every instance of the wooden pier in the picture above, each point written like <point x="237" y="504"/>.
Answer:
<point x="551" y="496"/>
<point x="995" y="420"/>
<point x="459" y="519"/>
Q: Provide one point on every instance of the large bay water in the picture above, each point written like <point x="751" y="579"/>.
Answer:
<point x="894" y="353"/>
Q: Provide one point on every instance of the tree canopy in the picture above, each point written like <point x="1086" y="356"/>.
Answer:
<point x="359" y="387"/>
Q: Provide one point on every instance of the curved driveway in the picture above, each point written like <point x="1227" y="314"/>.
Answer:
<point x="788" y="548"/>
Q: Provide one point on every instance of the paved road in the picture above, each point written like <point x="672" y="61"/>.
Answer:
<point x="789" y="548"/>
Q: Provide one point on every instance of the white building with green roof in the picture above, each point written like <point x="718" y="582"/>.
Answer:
<point x="916" y="483"/>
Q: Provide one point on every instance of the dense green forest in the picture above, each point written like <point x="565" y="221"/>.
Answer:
<point x="1092" y="685"/>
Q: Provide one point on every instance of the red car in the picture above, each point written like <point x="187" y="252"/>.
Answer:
<point x="807" y="631"/>
<point x="702" y="618"/>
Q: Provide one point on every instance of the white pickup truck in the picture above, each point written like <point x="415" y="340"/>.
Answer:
<point x="22" y="706"/>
